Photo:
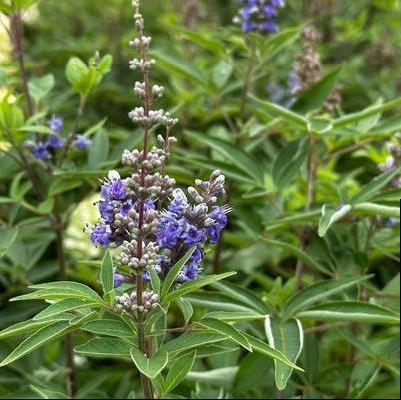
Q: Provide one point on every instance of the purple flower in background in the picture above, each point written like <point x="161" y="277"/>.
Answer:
<point x="118" y="279"/>
<point x="40" y="150"/>
<point x="258" y="15"/>
<point x="113" y="188"/>
<point x="179" y="204"/>
<point x="54" y="142"/>
<point x="193" y="235"/>
<point x="106" y="209"/>
<point x="55" y="123"/>
<point x="100" y="235"/>
<point x="82" y="142"/>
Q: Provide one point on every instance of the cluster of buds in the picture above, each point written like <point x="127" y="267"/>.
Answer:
<point x="128" y="303"/>
<point x="393" y="160"/>
<point x="308" y="70"/>
<point x="151" y="224"/>
<point x="258" y="15"/>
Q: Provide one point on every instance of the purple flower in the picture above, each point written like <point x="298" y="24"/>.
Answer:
<point x="219" y="216"/>
<point x="40" y="150"/>
<point x="258" y="15"/>
<point x="54" y="142"/>
<point x="100" y="235"/>
<point x="81" y="142"/>
<point x="179" y="204"/>
<point x="114" y="187"/>
<point x="169" y="230"/>
<point x="56" y="123"/>
<point x="126" y="207"/>
<point x="106" y="209"/>
<point x="118" y="279"/>
<point x="191" y="270"/>
<point x="193" y="235"/>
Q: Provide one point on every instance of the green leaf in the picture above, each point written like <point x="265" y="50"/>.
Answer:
<point x="109" y="327"/>
<point x="61" y="185"/>
<point x="371" y="189"/>
<point x="188" y="287"/>
<point x="175" y="270"/>
<point x="39" y="338"/>
<point x="48" y="394"/>
<point x="79" y="288"/>
<point x="105" y="64"/>
<point x="287" y="337"/>
<point x="227" y="330"/>
<point x="179" y="68"/>
<point x="154" y="280"/>
<point x="186" y="309"/>
<point x="363" y="375"/>
<point x="221" y="73"/>
<point x="358" y="116"/>
<point x="178" y="371"/>
<point x="29" y="325"/>
<point x="191" y="340"/>
<point x="265" y="349"/>
<point x="316" y="94"/>
<point x="106" y="273"/>
<point x="40" y="87"/>
<point x="235" y="316"/>
<point x="151" y="367"/>
<point x="243" y="295"/>
<point x="354" y="311"/>
<point x="201" y="40"/>
<point x="61" y="307"/>
<point x="279" y="111"/>
<point x="376" y="210"/>
<point x="233" y="153"/>
<point x="289" y="162"/>
<point x="319" y="291"/>
<point x="299" y="253"/>
<point x="76" y="71"/>
<point x="98" y="150"/>
<point x="105" y="347"/>
<point x="7" y="238"/>
<point x="329" y="216"/>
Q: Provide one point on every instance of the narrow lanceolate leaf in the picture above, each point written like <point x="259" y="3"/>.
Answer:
<point x="186" y="308"/>
<point x="288" y="337"/>
<point x="355" y="311"/>
<point x="233" y="153"/>
<point x="39" y="338"/>
<point x="263" y="348"/>
<point x="360" y="115"/>
<point x="235" y="316"/>
<point x="372" y="188"/>
<point x="362" y="376"/>
<point x="329" y="216"/>
<point x="61" y="307"/>
<point x="376" y="210"/>
<point x="105" y="347"/>
<point x="29" y="326"/>
<point x="191" y="340"/>
<point x="151" y="367"/>
<point x="175" y="270"/>
<point x="79" y="288"/>
<point x="226" y="329"/>
<point x="297" y="252"/>
<point x="154" y="280"/>
<point x="195" y="285"/>
<point x="318" y="291"/>
<point x="48" y="394"/>
<point x="316" y="94"/>
<point x="109" y="327"/>
<point x="279" y="111"/>
<point x="106" y="273"/>
<point x="178" y="371"/>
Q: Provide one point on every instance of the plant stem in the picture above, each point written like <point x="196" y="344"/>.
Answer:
<point x="309" y="199"/>
<point x="16" y="30"/>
